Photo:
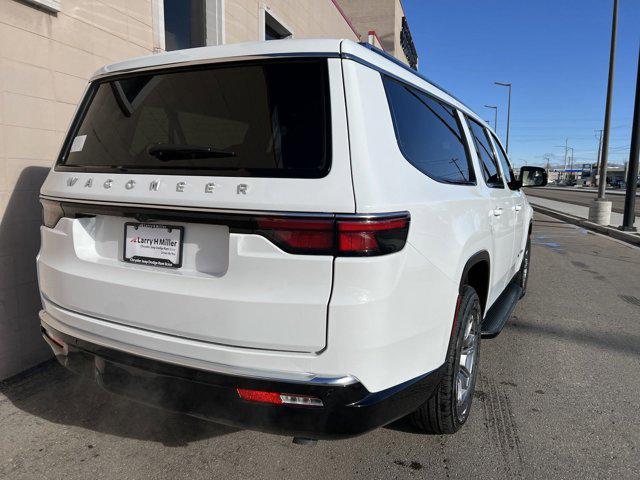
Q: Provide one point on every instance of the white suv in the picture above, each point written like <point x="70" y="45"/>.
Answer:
<point x="302" y="236"/>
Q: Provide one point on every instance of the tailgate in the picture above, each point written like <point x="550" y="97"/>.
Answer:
<point x="253" y="138"/>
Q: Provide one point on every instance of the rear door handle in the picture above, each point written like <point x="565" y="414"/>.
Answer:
<point x="518" y="208"/>
<point x="497" y="212"/>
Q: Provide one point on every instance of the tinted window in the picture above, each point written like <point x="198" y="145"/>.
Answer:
<point x="268" y="119"/>
<point x="507" y="171"/>
<point x="488" y="161"/>
<point x="184" y="24"/>
<point x="429" y="134"/>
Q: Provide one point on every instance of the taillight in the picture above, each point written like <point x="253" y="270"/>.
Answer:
<point x="299" y="235"/>
<point x="342" y="235"/>
<point x="372" y="236"/>
<point x="52" y="212"/>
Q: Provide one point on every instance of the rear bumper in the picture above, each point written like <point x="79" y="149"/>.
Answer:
<point x="349" y="409"/>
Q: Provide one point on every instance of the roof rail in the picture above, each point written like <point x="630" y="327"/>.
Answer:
<point x="400" y="63"/>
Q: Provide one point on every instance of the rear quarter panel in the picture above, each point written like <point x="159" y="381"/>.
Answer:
<point x="449" y="224"/>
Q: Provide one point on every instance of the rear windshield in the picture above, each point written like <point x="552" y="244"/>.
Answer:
<point x="268" y="119"/>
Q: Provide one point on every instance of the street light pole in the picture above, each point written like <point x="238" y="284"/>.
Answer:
<point x="600" y="209"/>
<point x="632" y="169"/>
<point x="508" y="110"/>
<point x="495" y="117"/>
<point x="599" y="153"/>
<point x="602" y="184"/>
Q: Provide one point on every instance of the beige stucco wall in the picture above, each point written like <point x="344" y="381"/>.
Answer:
<point x="305" y="18"/>
<point x="45" y="61"/>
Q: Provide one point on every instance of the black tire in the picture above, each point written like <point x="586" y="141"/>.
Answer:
<point x="442" y="413"/>
<point x="522" y="277"/>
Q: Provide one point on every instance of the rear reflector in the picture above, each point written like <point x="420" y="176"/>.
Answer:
<point x="278" y="398"/>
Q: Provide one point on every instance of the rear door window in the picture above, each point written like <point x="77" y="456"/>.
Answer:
<point x="507" y="171"/>
<point x="488" y="161"/>
<point x="268" y="119"/>
<point x="429" y="134"/>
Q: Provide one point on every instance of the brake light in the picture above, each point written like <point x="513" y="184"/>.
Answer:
<point x="372" y="236"/>
<point x="299" y="235"/>
<point x="342" y="235"/>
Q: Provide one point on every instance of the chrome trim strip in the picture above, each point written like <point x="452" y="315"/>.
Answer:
<point x="188" y="209"/>
<point x="213" y="61"/>
<point x="153" y="206"/>
<point x="47" y="320"/>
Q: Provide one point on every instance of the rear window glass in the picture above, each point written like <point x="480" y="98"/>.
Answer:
<point x="269" y="120"/>
<point x="429" y="134"/>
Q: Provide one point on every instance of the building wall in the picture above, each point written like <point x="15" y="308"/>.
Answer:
<point x="304" y="18"/>
<point x="377" y="15"/>
<point x="45" y="61"/>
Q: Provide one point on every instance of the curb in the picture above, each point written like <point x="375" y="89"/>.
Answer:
<point x="627" y="237"/>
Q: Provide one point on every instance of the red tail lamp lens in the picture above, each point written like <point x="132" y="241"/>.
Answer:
<point x="299" y="235"/>
<point x="279" y="398"/>
<point x="343" y="235"/>
<point x="259" y="396"/>
<point x="372" y="237"/>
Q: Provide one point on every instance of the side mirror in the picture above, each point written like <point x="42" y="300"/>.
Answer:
<point x="532" y="177"/>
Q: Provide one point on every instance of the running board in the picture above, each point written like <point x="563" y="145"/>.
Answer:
<point x="500" y="311"/>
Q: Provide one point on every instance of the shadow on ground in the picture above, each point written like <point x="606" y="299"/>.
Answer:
<point x="50" y="392"/>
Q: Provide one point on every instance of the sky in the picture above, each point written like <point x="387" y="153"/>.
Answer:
<point x="556" y="55"/>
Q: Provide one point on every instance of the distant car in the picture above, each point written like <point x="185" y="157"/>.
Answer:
<point x="301" y="236"/>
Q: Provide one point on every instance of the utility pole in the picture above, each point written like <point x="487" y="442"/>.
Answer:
<point x="566" y="150"/>
<point x="600" y="209"/>
<point x="599" y="152"/>
<point x="502" y="84"/>
<point x="629" y="217"/>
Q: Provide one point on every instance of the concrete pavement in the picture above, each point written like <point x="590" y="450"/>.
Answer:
<point x="579" y="197"/>
<point x="558" y="398"/>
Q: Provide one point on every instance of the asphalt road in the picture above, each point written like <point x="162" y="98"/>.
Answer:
<point x="558" y="397"/>
<point x="578" y="197"/>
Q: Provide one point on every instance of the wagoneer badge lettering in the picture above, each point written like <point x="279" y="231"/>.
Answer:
<point x="180" y="186"/>
<point x="242" y="189"/>
<point x="88" y="183"/>
<point x="208" y="188"/>
<point x="154" y="185"/>
<point x="130" y="184"/>
<point x="108" y="183"/>
<point x="71" y="181"/>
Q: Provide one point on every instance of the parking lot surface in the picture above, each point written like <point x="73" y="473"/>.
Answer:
<point x="558" y="397"/>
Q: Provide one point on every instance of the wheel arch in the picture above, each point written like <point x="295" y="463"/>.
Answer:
<point x="477" y="274"/>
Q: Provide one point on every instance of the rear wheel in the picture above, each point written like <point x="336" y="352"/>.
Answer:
<point x="448" y="407"/>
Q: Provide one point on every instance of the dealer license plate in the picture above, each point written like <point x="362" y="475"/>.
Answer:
<point x="153" y="244"/>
